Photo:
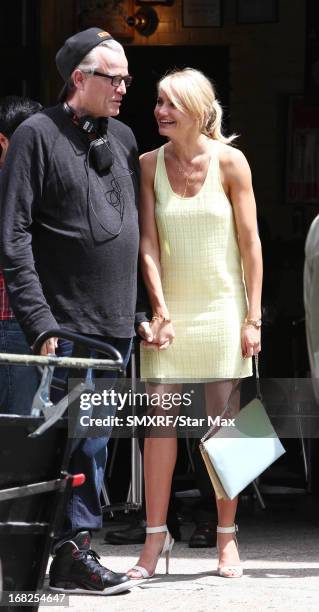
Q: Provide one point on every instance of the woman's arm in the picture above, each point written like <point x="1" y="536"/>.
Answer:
<point x="150" y="253"/>
<point x="236" y="176"/>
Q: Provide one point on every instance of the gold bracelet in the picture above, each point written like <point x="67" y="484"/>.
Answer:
<point x="257" y="323"/>
<point x="161" y="318"/>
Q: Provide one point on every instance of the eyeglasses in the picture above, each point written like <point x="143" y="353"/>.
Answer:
<point x="116" y="80"/>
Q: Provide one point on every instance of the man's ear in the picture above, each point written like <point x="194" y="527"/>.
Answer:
<point x="78" y="78"/>
<point x="4" y="143"/>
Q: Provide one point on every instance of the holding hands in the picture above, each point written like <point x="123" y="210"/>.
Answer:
<point x="158" y="334"/>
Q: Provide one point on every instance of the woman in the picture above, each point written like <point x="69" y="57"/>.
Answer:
<point x="202" y="265"/>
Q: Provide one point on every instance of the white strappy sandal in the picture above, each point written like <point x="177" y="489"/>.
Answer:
<point x="166" y="550"/>
<point x="229" y="571"/>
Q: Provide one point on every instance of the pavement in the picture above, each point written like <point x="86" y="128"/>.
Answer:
<point x="279" y="548"/>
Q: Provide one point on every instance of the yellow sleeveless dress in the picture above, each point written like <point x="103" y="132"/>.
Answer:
<point x="202" y="278"/>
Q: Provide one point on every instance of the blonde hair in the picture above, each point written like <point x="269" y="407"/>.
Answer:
<point x="192" y="92"/>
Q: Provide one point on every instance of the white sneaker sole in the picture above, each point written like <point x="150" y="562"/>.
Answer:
<point x="118" y="588"/>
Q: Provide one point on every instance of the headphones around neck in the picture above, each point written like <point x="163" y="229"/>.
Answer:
<point x="99" y="149"/>
<point x="87" y="123"/>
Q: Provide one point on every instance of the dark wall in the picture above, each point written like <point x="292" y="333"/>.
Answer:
<point x="148" y="65"/>
<point x="19" y="48"/>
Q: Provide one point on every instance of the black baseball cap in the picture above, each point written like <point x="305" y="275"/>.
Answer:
<point x="74" y="50"/>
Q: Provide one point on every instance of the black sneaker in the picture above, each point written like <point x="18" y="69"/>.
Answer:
<point x="75" y="569"/>
<point x="204" y="535"/>
<point x="134" y="533"/>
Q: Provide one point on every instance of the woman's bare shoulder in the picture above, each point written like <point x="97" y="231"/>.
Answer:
<point x="148" y="163"/>
<point x="149" y="158"/>
<point x="231" y="157"/>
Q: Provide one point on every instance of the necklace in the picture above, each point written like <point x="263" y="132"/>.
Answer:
<point x="186" y="176"/>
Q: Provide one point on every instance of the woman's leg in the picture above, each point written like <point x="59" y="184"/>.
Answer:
<point x="217" y="394"/>
<point x="159" y="462"/>
<point x="227" y="549"/>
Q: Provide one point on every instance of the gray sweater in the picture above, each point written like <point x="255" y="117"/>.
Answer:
<point x="62" y="261"/>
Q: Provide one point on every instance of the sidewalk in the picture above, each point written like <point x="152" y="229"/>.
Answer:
<point x="280" y="550"/>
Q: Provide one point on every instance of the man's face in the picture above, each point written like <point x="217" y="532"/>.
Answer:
<point x="99" y="97"/>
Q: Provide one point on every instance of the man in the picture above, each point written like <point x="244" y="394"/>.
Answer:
<point x="18" y="384"/>
<point x="70" y="249"/>
<point x="311" y="301"/>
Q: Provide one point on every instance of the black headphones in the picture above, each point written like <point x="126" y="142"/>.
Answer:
<point x="99" y="150"/>
<point x="87" y="123"/>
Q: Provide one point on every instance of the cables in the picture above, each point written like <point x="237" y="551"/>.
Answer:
<point x="113" y="196"/>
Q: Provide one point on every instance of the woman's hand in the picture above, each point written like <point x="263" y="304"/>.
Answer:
<point x="163" y="334"/>
<point x="250" y="340"/>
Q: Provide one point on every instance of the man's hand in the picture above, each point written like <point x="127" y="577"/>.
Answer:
<point x="144" y="330"/>
<point x="49" y="346"/>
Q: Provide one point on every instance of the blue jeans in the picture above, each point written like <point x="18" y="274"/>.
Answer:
<point x="18" y="384"/>
<point x="89" y="457"/>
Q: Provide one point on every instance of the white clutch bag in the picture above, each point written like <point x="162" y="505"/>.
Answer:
<point x="235" y="456"/>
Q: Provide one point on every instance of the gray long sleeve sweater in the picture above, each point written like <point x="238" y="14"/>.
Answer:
<point x="61" y="266"/>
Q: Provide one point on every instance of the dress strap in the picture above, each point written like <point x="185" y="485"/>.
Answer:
<point x="215" y="167"/>
<point x="161" y="179"/>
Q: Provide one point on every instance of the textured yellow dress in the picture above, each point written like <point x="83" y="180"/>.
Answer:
<point x="202" y="278"/>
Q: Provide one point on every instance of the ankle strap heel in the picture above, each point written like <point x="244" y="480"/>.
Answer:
<point x="229" y="571"/>
<point x="160" y="529"/>
<point x="232" y="529"/>
<point x="166" y="550"/>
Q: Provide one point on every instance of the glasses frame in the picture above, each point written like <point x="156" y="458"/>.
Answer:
<point x="127" y="78"/>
